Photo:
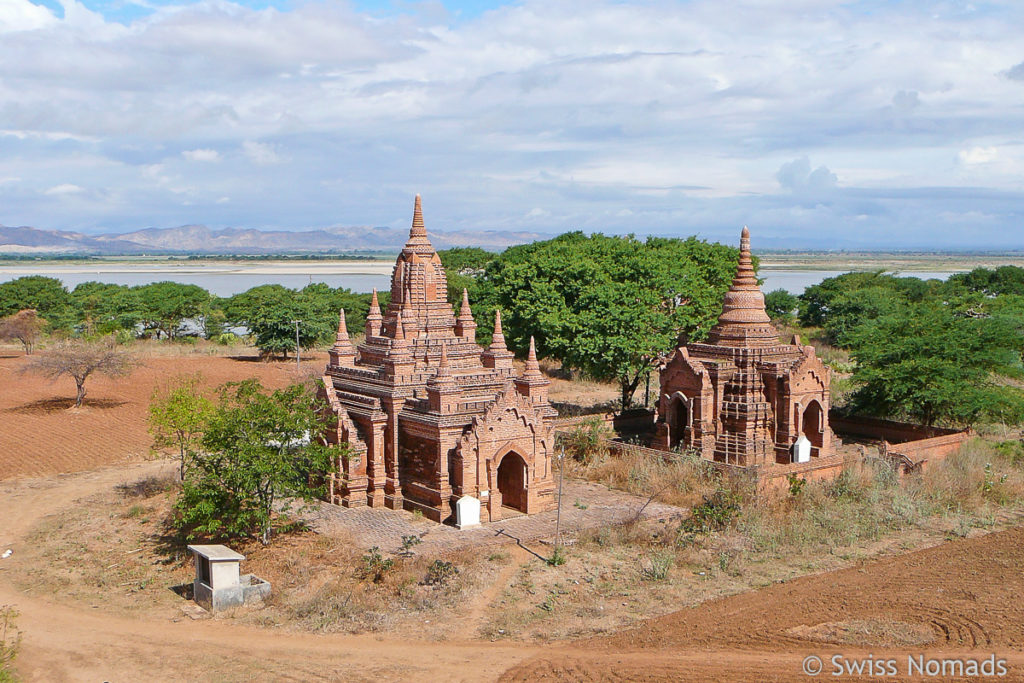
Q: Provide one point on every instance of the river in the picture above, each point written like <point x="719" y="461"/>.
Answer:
<point x="225" y="279"/>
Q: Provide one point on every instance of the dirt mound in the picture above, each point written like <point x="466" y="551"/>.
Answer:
<point x="963" y="594"/>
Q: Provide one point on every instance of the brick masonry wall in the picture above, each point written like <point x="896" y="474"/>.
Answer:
<point x="884" y="430"/>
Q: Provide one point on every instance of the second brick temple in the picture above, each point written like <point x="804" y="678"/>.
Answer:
<point x="430" y="416"/>
<point x="743" y="397"/>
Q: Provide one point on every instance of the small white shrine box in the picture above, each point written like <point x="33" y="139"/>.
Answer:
<point x="802" y="449"/>
<point x="467" y="512"/>
<point x="218" y="583"/>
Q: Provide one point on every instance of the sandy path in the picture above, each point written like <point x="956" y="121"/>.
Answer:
<point x="69" y="643"/>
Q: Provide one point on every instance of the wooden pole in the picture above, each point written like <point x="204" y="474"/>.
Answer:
<point x="558" y="515"/>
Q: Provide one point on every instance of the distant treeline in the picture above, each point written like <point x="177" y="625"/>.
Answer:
<point x="933" y="351"/>
<point x="612" y="308"/>
<point x="171" y="310"/>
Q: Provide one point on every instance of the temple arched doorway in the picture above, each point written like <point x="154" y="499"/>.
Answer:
<point x="512" y="481"/>
<point x="812" y="426"/>
<point x="678" y="421"/>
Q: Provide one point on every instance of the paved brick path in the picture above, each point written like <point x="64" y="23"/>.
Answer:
<point x="384" y="528"/>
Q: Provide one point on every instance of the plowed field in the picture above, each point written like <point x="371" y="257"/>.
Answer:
<point x="42" y="433"/>
<point x="962" y="598"/>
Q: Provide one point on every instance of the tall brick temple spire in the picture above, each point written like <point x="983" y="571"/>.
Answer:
<point x="744" y="320"/>
<point x="430" y="416"/>
<point x="418" y="232"/>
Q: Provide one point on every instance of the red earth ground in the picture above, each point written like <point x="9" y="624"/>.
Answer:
<point x="965" y="594"/>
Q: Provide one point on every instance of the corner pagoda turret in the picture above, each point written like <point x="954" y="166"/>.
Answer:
<point x="429" y="415"/>
<point x="743" y="397"/>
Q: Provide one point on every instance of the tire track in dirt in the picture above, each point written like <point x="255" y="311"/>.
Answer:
<point x="966" y="591"/>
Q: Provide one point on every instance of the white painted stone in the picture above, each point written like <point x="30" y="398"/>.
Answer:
<point x="467" y="512"/>
<point x="218" y="584"/>
<point x="802" y="449"/>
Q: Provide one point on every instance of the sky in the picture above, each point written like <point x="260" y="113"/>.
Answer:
<point x="868" y="124"/>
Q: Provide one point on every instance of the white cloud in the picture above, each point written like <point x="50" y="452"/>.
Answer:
<point x="64" y="189"/>
<point x="797" y="176"/>
<point x="201" y="155"/>
<point x="978" y="155"/>
<point x="22" y="15"/>
<point x="615" y="115"/>
<point x="260" y="153"/>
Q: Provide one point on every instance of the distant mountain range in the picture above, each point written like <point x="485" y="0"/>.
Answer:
<point x="199" y="239"/>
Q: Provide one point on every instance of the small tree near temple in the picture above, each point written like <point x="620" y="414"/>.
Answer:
<point x="24" y="326"/>
<point x="177" y="416"/>
<point x="258" y="447"/>
<point x="80" y="360"/>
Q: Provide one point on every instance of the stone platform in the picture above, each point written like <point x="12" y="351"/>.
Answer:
<point x="585" y="506"/>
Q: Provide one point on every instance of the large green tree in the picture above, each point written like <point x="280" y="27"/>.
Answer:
<point x="607" y="306"/>
<point x="165" y="305"/>
<point x="268" y="311"/>
<point x="46" y="295"/>
<point x="931" y="365"/>
<point x="258" y="448"/>
<point x="102" y="308"/>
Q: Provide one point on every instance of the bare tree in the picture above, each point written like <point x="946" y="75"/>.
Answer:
<point x="79" y="360"/>
<point x="25" y="326"/>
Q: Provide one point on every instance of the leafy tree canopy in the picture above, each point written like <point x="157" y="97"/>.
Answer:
<point x="930" y="365"/>
<point x="103" y="308"/>
<point x="164" y="305"/>
<point x="781" y="305"/>
<point x="269" y="309"/>
<point x="46" y="295"/>
<point x="257" y="447"/>
<point x="607" y="306"/>
<point x="178" y="413"/>
<point x="1002" y="280"/>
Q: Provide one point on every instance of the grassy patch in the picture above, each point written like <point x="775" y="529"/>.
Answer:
<point x="10" y="642"/>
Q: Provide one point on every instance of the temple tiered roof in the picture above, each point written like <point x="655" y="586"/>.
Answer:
<point x="744" y="320"/>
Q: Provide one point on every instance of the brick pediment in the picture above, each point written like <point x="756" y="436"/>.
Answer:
<point x="810" y="366"/>
<point x="508" y="418"/>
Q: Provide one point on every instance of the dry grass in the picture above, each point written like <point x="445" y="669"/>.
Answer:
<point x="680" y="479"/>
<point x="115" y="551"/>
<point x="867" y="633"/>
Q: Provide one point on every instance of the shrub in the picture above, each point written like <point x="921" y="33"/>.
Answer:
<point x="558" y="557"/>
<point x="586" y="443"/>
<point x="124" y="337"/>
<point x="10" y="642"/>
<point x="659" y="565"/>
<point x="375" y="566"/>
<point x="408" y="542"/>
<point x="1012" y="451"/>
<point x="714" y="513"/>
<point x="796" y="485"/>
<point x="440" y="572"/>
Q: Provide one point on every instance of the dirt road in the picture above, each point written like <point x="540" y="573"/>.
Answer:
<point x="73" y="643"/>
<point x="966" y="592"/>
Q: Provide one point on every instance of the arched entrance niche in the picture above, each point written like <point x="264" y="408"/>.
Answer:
<point x="812" y="425"/>
<point x="678" y="420"/>
<point x="512" y="478"/>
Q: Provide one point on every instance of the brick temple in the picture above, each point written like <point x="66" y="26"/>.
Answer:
<point x="431" y="416"/>
<point x="743" y="397"/>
